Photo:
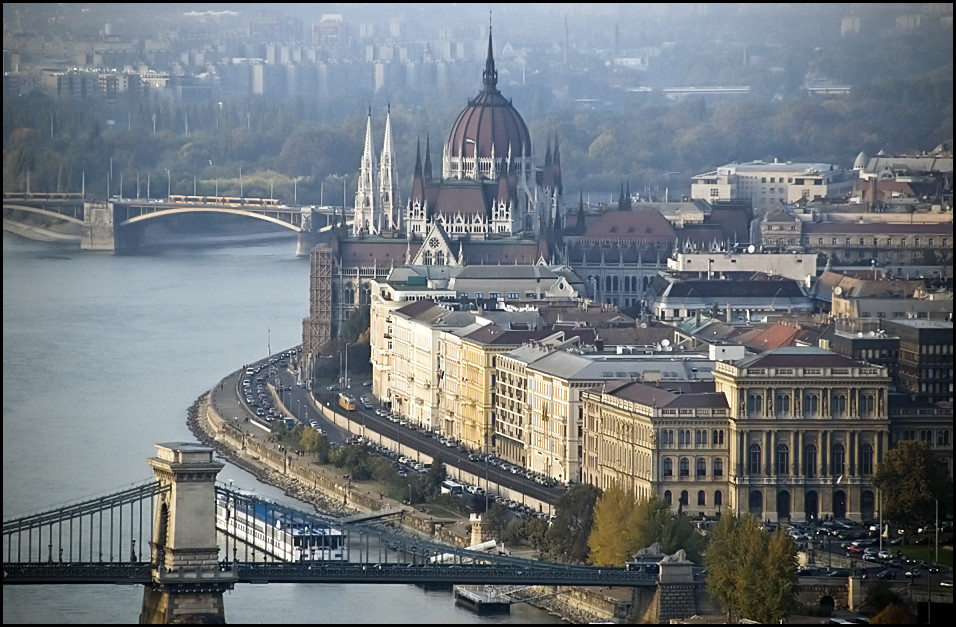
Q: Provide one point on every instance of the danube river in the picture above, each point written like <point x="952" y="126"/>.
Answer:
<point x="102" y="356"/>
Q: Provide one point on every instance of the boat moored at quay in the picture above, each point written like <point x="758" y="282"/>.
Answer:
<point x="279" y="532"/>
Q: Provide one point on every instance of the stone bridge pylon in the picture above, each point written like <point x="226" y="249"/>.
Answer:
<point x="187" y="577"/>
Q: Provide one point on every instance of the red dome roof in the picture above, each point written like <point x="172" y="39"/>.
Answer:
<point x="489" y="121"/>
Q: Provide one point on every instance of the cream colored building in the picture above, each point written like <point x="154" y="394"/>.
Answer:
<point x="670" y="441"/>
<point x="767" y="185"/>
<point x="799" y="267"/>
<point x="807" y="430"/>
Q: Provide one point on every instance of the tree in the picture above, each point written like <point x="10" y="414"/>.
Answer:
<point x="613" y="536"/>
<point x="623" y="526"/>
<point x="893" y="614"/>
<point x="750" y="572"/>
<point x="879" y="595"/>
<point x="911" y="479"/>
<point x="574" y="516"/>
<point x="436" y="474"/>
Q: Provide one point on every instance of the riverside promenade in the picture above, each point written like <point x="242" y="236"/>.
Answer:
<point x="218" y="420"/>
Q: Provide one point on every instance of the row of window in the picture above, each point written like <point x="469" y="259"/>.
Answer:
<point x="701" y="498"/>
<point x="811" y="405"/>
<point x="926" y="435"/>
<point x="848" y="241"/>
<point x="684" y="437"/>
<point x="782" y="460"/>
<point x="683" y="467"/>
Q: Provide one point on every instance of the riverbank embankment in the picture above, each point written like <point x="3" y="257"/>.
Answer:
<point x="331" y="493"/>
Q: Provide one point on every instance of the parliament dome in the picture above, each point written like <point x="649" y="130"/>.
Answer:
<point x="489" y="125"/>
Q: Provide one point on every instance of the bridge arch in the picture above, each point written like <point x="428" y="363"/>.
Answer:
<point x="246" y="213"/>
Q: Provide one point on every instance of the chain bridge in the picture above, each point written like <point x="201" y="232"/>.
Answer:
<point x="118" y="224"/>
<point x="187" y="540"/>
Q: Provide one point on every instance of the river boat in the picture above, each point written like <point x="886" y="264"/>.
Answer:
<point x="281" y="533"/>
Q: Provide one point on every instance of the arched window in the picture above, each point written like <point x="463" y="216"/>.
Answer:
<point x="782" y="461"/>
<point x="718" y="498"/>
<point x="837" y="459"/>
<point x="718" y="467"/>
<point x="811" y="405"/>
<point x="668" y="467"/>
<point x="701" y="467"/>
<point x="866" y="460"/>
<point x="683" y="497"/>
<point x="867" y="405"/>
<point x="753" y="459"/>
<point x="684" y="467"/>
<point x="701" y="498"/>
<point x="667" y="497"/>
<point x="781" y="405"/>
<point x="754" y="404"/>
<point x="838" y="405"/>
<point x="810" y="461"/>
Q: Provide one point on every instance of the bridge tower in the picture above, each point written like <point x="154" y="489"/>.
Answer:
<point x="188" y="580"/>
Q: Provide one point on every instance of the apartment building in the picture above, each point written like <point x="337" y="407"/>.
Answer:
<point x="768" y="185"/>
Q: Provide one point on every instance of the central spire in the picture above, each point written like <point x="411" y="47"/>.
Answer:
<point x="490" y="75"/>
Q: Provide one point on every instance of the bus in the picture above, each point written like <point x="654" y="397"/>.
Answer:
<point x="346" y="402"/>
<point x="452" y="487"/>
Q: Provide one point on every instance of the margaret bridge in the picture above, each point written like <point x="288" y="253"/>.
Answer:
<point x="119" y="224"/>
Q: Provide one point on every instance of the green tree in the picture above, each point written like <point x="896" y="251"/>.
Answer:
<point x="574" y="516"/>
<point x="435" y="475"/>
<point x="750" y="572"/>
<point x="613" y="536"/>
<point x="720" y="560"/>
<point x="494" y="521"/>
<point x="911" y="479"/>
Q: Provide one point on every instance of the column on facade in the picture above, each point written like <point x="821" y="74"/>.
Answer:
<point x="852" y="454"/>
<point x="795" y="448"/>
<point x="768" y="458"/>
<point x="824" y="453"/>
<point x="741" y="445"/>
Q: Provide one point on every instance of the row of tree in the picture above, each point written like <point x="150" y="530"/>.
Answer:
<point x="298" y="152"/>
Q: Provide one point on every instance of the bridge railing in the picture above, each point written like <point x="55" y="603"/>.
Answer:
<point x="115" y="528"/>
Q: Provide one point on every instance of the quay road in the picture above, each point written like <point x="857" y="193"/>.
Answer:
<point x="299" y="403"/>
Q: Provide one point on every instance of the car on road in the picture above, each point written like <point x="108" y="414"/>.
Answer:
<point x="885" y="555"/>
<point x="913" y="573"/>
<point x="946" y="583"/>
<point x="886" y="574"/>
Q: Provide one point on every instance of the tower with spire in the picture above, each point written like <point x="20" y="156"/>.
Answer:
<point x="366" y="207"/>
<point x="390" y="218"/>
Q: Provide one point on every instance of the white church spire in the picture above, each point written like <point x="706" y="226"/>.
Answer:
<point x="388" y="188"/>
<point x="365" y="205"/>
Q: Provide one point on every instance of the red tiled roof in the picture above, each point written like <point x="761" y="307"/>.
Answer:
<point x="640" y="225"/>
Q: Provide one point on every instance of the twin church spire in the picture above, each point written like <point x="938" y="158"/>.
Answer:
<point x="377" y="202"/>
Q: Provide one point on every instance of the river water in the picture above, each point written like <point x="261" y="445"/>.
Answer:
<point x="102" y="356"/>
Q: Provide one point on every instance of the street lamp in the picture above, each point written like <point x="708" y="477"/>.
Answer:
<point x="169" y="185"/>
